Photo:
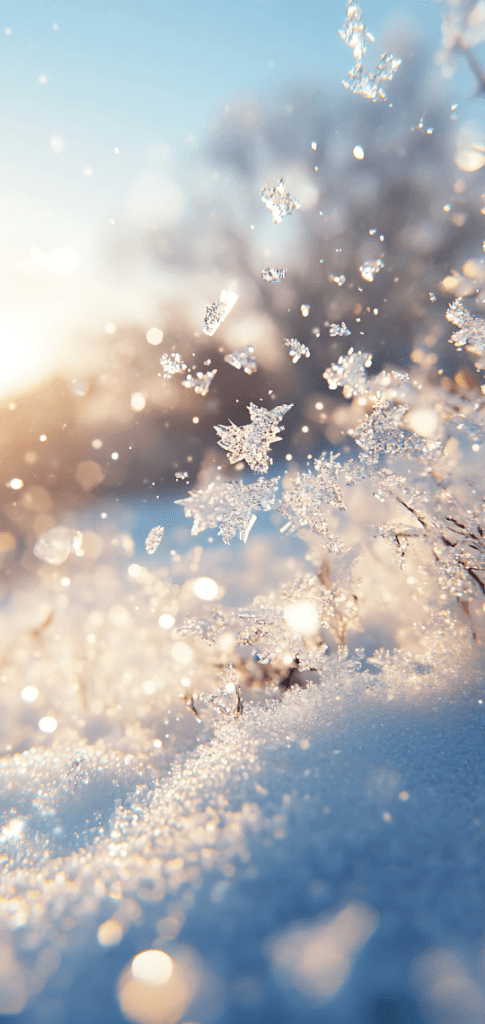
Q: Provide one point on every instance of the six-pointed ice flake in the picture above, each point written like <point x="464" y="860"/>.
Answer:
<point x="252" y="441"/>
<point x="216" y="314"/>
<point x="278" y="201"/>
<point x="296" y="349"/>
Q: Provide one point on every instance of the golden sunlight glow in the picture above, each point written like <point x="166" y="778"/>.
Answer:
<point x="302" y="617"/>
<point x="205" y="588"/>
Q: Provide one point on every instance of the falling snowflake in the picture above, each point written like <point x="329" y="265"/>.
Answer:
<point x="349" y="373"/>
<point x="200" y="383"/>
<point x="252" y="441"/>
<point x="272" y="274"/>
<point x="216" y="314"/>
<point x="296" y="349"/>
<point x="354" y="34"/>
<point x="304" y="309"/>
<point x="243" y="360"/>
<point x="370" y="268"/>
<point x="153" y="539"/>
<point x="279" y="202"/>
<point x="305" y="498"/>
<point x="231" y="506"/>
<point x="338" y="330"/>
<point x="339" y="279"/>
<point x="471" y="332"/>
<point x="172" y="364"/>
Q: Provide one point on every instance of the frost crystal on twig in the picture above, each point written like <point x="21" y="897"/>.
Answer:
<point x="153" y="539"/>
<point x="200" y="383"/>
<point x="216" y="314"/>
<point x="243" y="360"/>
<point x="370" y="268"/>
<point x="349" y="373"/>
<point x="278" y="201"/>
<point x="252" y="441"/>
<point x="296" y="349"/>
<point x="172" y="364"/>
<point x="338" y="330"/>
<point x="230" y="505"/>
<point x="471" y="332"/>
<point x="272" y="274"/>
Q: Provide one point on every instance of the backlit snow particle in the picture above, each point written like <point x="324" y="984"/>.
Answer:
<point x="339" y="330"/>
<point x="153" y="539"/>
<point x="166" y="621"/>
<point x="252" y="441"/>
<point x="432" y="297"/>
<point x="279" y="202"/>
<point x="340" y="279"/>
<point x="29" y="694"/>
<point x="154" y="336"/>
<point x="54" y="546"/>
<point x="243" y="360"/>
<point x="314" y="145"/>
<point x="354" y="34"/>
<point x="296" y="349"/>
<point x="138" y="401"/>
<point x="200" y="383"/>
<point x="47" y="724"/>
<point x="349" y="373"/>
<point x="205" y="588"/>
<point x="172" y="364"/>
<point x="272" y="274"/>
<point x="370" y="268"/>
<point x="16" y="483"/>
<point x="358" y="152"/>
<point x="304" y="309"/>
<point x="216" y="314"/>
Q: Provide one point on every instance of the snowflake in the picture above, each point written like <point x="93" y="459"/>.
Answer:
<point x="339" y="330"/>
<point x="354" y="31"/>
<point x="471" y="333"/>
<point x="349" y="373"/>
<point x="370" y="268"/>
<point x="252" y="441"/>
<point x="231" y="506"/>
<point x="153" y="539"/>
<point x="305" y="498"/>
<point x="304" y="309"/>
<point x="272" y="274"/>
<point x="368" y="84"/>
<point x="201" y="383"/>
<point x="172" y="364"/>
<point x="216" y="314"/>
<point x="243" y="360"/>
<point x="279" y="202"/>
<point x="339" y="279"/>
<point x="296" y="349"/>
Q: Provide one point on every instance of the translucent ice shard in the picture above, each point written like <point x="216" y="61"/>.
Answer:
<point x="153" y="539"/>
<point x="200" y="383"/>
<point x="338" y="330"/>
<point x="216" y="314"/>
<point x="252" y="441"/>
<point x="278" y="201"/>
<point x="243" y="360"/>
<point x="272" y="274"/>
<point x="296" y="349"/>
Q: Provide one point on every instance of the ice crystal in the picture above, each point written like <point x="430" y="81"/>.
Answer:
<point x="153" y="539"/>
<point x="349" y="373"/>
<point x="200" y="383"/>
<point x="217" y="313"/>
<point x="365" y="83"/>
<point x="243" y="360"/>
<point x="231" y="506"/>
<point x="471" y="330"/>
<point x="296" y="349"/>
<point x="306" y="499"/>
<point x="304" y="309"/>
<point x="338" y="330"/>
<point x="354" y="32"/>
<point x="339" y="279"/>
<point x="278" y="201"/>
<point x="252" y="441"/>
<point x="172" y="364"/>
<point x="272" y="274"/>
<point x="370" y="268"/>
